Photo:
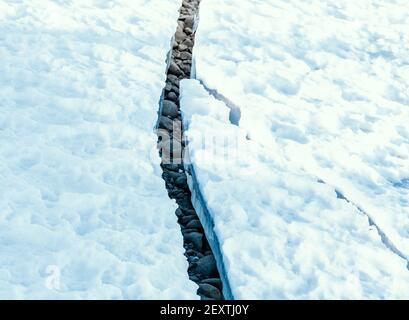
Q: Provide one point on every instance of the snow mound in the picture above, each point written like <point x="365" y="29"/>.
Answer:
<point x="84" y="212"/>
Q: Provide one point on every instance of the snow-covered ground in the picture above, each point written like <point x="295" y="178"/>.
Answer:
<point x="83" y="209"/>
<point x="323" y="90"/>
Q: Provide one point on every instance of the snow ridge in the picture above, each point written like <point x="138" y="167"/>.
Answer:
<point x="385" y="239"/>
<point x="235" y="111"/>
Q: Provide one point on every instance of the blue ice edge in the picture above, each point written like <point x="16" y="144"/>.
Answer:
<point x="208" y="225"/>
<point x="201" y="208"/>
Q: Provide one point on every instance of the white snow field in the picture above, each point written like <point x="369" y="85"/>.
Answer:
<point x="84" y="212"/>
<point x="323" y="90"/>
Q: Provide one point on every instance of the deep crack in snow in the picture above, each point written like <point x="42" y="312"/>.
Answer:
<point x="203" y="268"/>
<point x="385" y="239"/>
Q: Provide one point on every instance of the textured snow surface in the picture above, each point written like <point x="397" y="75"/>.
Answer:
<point x="83" y="210"/>
<point x="323" y="90"/>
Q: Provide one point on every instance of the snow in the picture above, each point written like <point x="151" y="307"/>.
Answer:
<point x="323" y="94"/>
<point x="84" y="212"/>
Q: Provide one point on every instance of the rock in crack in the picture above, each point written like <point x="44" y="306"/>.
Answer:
<point x="202" y="264"/>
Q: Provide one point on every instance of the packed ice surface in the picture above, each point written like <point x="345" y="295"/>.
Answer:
<point x="323" y="91"/>
<point x="83" y="209"/>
